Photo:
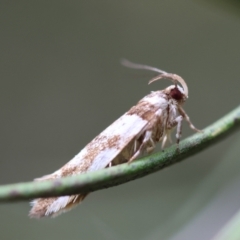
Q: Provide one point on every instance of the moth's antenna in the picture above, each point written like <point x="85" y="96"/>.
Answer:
<point x="129" y="64"/>
<point x="174" y="77"/>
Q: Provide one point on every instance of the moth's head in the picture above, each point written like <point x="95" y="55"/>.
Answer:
<point x="176" y="92"/>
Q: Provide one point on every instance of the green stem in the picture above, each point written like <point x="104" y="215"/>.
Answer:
<point x="123" y="173"/>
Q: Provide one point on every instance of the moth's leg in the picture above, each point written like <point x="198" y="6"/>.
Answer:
<point x="152" y="146"/>
<point x="164" y="140"/>
<point x="186" y="117"/>
<point x="170" y="125"/>
<point x="109" y="165"/>
<point x="146" y="139"/>
<point x="179" y="128"/>
<point x="135" y="145"/>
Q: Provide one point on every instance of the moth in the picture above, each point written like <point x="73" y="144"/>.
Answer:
<point x="136" y="132"/>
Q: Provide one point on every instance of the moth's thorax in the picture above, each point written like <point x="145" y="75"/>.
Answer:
<point x="157" y="98"/>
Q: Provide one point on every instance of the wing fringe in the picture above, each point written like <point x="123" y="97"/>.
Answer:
<point x="54" y="206"/>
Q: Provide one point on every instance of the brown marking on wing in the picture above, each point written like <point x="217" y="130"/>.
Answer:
<point x="39" y="209"/>
<point x="143" y="109"/>
<point x="68" y="171"/>
<point x="99" y="144"/>
<point x="113" y="142"/>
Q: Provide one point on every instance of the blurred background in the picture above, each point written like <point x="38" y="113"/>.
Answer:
<point x="62" y="84"/>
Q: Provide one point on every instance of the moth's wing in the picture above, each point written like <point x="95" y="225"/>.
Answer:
<point x="105" y="147"/>
<point x="102" y="150"/>
<point x="96" y="155"/>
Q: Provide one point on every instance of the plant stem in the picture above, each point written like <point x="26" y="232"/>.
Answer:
<point x="123" y="173"/>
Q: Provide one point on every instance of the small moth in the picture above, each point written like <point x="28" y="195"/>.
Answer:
<point x="134" y="133"/>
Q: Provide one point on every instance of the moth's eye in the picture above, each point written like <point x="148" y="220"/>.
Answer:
<point x="176" y="94"/>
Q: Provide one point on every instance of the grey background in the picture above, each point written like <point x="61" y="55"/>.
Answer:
<point x="62" y="84"/>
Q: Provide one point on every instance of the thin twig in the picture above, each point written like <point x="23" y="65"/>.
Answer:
<point x="120" y="174"/>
